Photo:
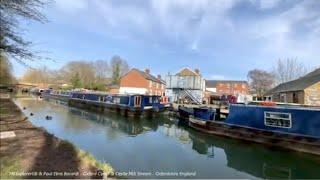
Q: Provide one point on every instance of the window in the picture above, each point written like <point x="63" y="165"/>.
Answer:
<point x="150" y="99"/>
<point x="116" y="100"/>
<point x="150" y="84"/>
<point x="277" y="119"/>
<point x="137" y="101"/>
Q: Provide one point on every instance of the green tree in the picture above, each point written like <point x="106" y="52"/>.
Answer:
<point x="119" y="67"/>
<point x="116" y="74"/>
<point x="76" y="81"/>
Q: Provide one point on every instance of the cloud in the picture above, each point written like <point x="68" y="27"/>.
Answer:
<point x="268" y="4"/>
<point x="206" y="26"/>
<point x="70" y="6"/>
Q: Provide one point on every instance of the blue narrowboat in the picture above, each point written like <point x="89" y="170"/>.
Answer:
<point x="60" y="95"/>
<point x="129" y="105"/>
<point x="296" y="128"/>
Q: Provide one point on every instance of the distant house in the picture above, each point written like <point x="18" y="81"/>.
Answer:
<point x="305" y="90"/>
<point x="227" y="87"/>
<point x="186" y="86"/>
<point x="141" y="82"/>
<point x="217" y="88"/>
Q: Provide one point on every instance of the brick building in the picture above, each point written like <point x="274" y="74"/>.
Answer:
<point x="141" y="82"/>
<point x="305" y="90"/>
<point x="215" y="89"/>
<point x="222" y="87"/>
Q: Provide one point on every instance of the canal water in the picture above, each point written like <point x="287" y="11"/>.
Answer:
<point x="162" y="148"/>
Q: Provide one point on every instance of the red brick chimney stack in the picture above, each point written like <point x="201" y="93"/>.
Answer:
<point x="159" y="76"/>
<point x="147" y="71"/>
<point x="197" y="71"/>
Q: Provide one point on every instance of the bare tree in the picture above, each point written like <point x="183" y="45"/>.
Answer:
<point x="84" y="74"/>
<point x="102" y="71"/>
<point x="82" y="70"/>
<point x="119" y="67"/>
<point x="260" y="81"/>
<point x="288" y="70"/>
<point x="11" y="13"/>
<point x="42" y="75"/>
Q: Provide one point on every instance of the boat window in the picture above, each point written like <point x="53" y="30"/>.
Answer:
<point x="137" y="101"/>
<point x="116" y="100"/>
<point x="150" y="99"/>
<point x="277" y="119"/>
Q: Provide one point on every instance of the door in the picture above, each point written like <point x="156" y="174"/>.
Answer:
<point x="137" y="101"/>
<point x="295" y="97"/>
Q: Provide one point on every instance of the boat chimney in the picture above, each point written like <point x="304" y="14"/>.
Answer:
<point x="147" y="70"/>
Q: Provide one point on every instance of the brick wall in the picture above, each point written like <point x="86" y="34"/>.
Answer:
<point x="232" y="88"/>
<point x="312" y="95"/>
<point x="289" y="97"/>
<point x="134" y="79"/>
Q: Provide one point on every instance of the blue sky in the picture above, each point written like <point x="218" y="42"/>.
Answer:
<point x="223" y="38"/>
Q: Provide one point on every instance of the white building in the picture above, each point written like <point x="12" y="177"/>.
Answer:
<point x="185" y="86"/>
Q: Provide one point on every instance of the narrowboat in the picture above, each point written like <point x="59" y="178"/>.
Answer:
<point x="184" y="113"/>
<point x="129" y="105"/>
<point x="60" y="95"/>
<point x="296" y="128"/>
<point x="36" y="91"/>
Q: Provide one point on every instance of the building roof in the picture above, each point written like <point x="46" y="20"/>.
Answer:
<point x="150" y="77"/>
<point x="298" y="84"/>
<point x="214" y="83"/>
<point x="187" y="72"/>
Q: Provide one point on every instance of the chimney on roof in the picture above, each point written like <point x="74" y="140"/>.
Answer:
<point x="147" y="71"/>
<point x="197" y="71"/>
<point x="159" y="76"/>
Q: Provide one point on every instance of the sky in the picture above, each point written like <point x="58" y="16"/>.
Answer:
<point x="223" y="38"/>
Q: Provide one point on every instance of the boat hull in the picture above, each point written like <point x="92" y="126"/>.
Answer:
<point x="56" y="96"/>
<point x="287" y="141"/>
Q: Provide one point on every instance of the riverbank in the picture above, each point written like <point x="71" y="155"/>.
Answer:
<point x="32" y="152"/>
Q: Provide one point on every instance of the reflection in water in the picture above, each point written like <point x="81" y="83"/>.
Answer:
<point x="162" y="145"/>
<point x="256" y="159"/>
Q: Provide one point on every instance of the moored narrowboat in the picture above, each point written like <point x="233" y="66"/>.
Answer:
<point x="296" y="128"/>
<point x="60" y="95"/>
<point x="128" y="105"/>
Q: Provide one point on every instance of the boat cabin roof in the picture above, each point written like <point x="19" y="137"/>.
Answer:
<point x="283" y="106"/>
<point x="106" y="94"/>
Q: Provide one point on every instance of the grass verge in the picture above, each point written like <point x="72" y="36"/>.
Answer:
<point x="87" y="159"/>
